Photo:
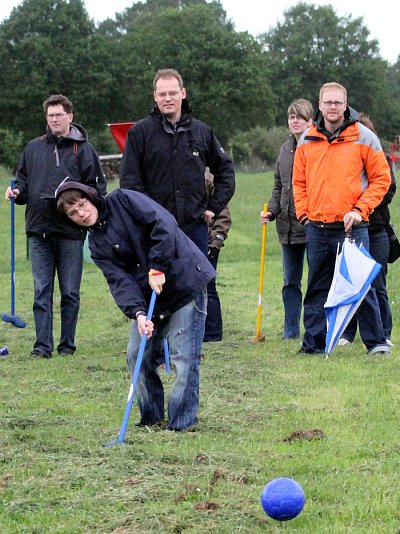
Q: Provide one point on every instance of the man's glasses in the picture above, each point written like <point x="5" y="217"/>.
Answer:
<point x="330" y="103"/>
<point x="171" y="94"/>
<point x="56" y="115"/>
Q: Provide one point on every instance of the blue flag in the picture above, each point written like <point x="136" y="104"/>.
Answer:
<point x="355" y="270"/>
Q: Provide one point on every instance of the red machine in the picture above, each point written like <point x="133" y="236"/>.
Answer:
<point x="395" y="150"/>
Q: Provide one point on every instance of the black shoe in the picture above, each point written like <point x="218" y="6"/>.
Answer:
<point x="39" y="354"/>
<point x="66" y="352"/>
<point x="302" y="351"/>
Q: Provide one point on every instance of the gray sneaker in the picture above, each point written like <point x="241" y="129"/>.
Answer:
<point x="380" y="350"/>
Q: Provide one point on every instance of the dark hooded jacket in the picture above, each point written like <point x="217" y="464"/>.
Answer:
<point x="134" y="234"/>
<point x="169" y="163"/>
<point x="43" y="165"/>
<point x="281" y="203"/>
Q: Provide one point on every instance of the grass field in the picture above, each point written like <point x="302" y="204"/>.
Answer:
<point x="259" y="404"/>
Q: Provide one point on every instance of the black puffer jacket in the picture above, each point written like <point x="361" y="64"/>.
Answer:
<point x="43" y="165"/>
<point x="134" y="234"/>
<point x="169" y="166"/>
<point x="281" y="203"/>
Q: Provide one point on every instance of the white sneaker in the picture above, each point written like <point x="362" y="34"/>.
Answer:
<point x="343" y="341"/>
<point x="389" y="342"/>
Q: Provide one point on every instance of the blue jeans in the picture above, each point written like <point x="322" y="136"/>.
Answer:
<point x="293" y="262"/>
<point x="379" y="250"/>
<point x="214" y="325"/>
<point x="322" y="242"/>
<point x="184" y="330"/>
<point x="49" y="256"/>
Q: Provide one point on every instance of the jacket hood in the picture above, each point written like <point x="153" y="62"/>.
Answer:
<point x="87" y="190"/>
<point x="76" y="133"/>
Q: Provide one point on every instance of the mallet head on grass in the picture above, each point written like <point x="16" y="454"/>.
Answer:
<point x="15" y="320"/>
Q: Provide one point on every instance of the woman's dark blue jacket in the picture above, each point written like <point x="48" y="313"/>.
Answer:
<point x="135" y="234"/>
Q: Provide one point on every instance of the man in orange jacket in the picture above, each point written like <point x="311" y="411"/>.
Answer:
<point x="340" y="175"/>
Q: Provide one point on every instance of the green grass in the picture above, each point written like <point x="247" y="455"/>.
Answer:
<point x="55" y="476"/>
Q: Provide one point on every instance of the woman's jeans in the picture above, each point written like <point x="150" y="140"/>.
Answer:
<point x="51" y="255"/>
<point x="184" y="330"/>
<point x="293" y="262"/>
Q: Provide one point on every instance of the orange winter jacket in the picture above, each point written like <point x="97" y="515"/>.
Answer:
<point x="349" y="173"/>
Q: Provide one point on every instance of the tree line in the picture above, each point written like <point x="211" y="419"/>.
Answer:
<point x="239" y="84"/>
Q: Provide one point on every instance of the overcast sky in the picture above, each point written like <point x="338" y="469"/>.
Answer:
<point x="382" y="18"/>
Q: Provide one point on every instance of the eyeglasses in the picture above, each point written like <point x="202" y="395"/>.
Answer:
<point x="56" y="115"/>
<point x="171" y="94"/>
<point x="330" y="103"/>
<point x="81" y="205"/>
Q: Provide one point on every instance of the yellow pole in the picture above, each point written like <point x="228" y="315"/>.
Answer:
<point x="259" y="335"/>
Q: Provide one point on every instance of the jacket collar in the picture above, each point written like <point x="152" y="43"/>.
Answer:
<point x="186" y="114"/>
<point x="319" y="124"/>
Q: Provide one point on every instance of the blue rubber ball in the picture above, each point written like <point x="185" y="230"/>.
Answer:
<point x="283" y="499"/>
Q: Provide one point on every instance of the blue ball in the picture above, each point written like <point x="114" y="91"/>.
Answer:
<point x="283" y="499"/>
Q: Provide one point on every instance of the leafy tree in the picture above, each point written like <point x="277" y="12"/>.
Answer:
<point x="313" y="46"/>
<point x="50" y="46"/>
<point x="224" y="71"/>
<point x="10" y="146"/>
<point x="258" y="144"/>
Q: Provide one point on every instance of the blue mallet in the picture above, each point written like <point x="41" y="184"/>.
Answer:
<point x="12" y="318"/>
<point x="120" y="439"/>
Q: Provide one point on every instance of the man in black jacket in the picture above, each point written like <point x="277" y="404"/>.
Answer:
<point x="166" y="155"/>
<point x="139" y="247"/>
<point x="55" y="244"/>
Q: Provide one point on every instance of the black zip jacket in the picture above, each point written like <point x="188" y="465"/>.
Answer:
<point x="168" y="164"/>
<point x="43" y="165"/>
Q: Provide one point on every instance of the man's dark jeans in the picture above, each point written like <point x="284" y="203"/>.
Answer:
<point x="51" y="255"/>
<point x="322" y="245"/>
<point x="214" y="324"/>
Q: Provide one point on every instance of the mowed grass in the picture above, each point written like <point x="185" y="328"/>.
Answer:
<point x="266" y="412"/>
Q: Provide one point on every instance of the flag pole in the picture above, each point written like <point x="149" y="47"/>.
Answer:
<point x="260" y="336"/>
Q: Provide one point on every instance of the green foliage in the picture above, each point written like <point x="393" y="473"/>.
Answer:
<point x="11" y="145"/>
<point x="258" y="144"/>
<point x="47" y="47"/>
<point x="313" y="46"/>
<point x="222" y="70"/>
<point x="104" y="142"/>
<point x="235" y="82"/>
